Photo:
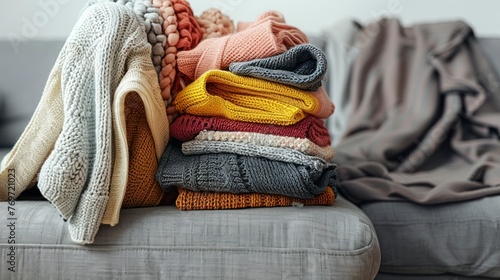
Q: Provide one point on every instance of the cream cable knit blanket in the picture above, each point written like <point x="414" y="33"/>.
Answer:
<point x="302" y="145"/>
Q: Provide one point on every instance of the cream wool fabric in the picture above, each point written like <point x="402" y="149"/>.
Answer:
<point x="140" y="78"/>
<point x="302" y="145"/>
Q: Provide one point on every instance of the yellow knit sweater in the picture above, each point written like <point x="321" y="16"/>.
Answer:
<point x="224" y="94"/>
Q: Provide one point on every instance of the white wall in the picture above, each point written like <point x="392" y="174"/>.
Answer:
<point x="48" y="19"/>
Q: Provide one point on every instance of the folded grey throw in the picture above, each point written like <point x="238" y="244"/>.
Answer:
<point x="226" y="172"/>
<point x="302" y="66"/>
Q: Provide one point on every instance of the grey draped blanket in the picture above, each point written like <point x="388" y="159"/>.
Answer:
<point x="424" y="119"/>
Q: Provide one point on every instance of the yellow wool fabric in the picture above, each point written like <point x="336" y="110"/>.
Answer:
<point x="191" y="200"/>
<point x="142" y="188"/>
<point x="224" y="94"/>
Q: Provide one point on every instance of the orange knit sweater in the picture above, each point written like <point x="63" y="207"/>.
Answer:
<point x="190" y="200"/>
<point x="142" y="188"/>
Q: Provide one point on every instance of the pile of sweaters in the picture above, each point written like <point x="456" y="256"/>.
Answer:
<point x="250" y="128"/>
<point x="148" y="103"/>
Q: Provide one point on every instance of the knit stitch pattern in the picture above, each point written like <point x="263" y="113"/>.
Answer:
<point x="234" y="173"/>
<point x="224" y="94"/>
<point x="142" y="188"/>
<point x="214" y="24"/>
<point x="140" y="80"/>
<point x="190" y="200"/>
<point x="302" y="66"/>
<point x="302" y="145"/>
<point x="153" y="22"/>
<point x="187" y="126"/>
<point x="198" y="147"/>
<point x="169" y="62"/>
<point x="266" y="38"/>
<point x="189" y="30"/>
<point x="75" y="178"/>
<point x="189" y="37"/>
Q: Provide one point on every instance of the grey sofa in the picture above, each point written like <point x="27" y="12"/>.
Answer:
<point x="381" y="240"/>
<point x="337" y="242"/>
<point x="448" y="241"/>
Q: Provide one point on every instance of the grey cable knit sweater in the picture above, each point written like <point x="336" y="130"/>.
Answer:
<point x="226" y="172"/>
<point x="302" y="66"/>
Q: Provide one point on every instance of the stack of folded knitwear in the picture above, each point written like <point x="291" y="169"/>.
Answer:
<point x="248" y="127"/>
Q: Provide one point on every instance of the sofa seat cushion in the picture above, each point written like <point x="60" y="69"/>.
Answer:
<point x="387" y="276"/>
<point x="461" y="238"/>
<point x="310" y="242"/>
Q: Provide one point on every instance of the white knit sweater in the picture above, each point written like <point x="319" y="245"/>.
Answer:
<point x="69" y="138"/>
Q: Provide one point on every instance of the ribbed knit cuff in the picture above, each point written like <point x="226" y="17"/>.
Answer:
<point x="85" y="223"/>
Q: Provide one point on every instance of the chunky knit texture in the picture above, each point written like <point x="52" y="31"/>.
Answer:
<point x="302" y="145"/>
<point x="234" y="173"/>
<point x="224" y="94"/>
<point x="190" y="200"/>
<point x="187" y="126"/>
<point x="214" y="24"/>
<point x="153" y="22"/>
<point x="189" y="30"/>
<point x="267" y="37"/>
<point x="302" y="66"/>
<point x="198" y="147"/>
<point x="189" y="37"/>
<point x="142" y="188"/>
<point x="169" y="62"/>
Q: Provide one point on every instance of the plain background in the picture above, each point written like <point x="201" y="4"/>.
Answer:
<point x="21" y="21"/>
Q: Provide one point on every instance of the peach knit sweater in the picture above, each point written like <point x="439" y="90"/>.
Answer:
<point x="191" y="200"/>
<point x="267" y="36"/>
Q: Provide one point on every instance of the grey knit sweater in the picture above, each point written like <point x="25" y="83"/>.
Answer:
<point x="302" y="66"/>
<point x="226" y="172"/>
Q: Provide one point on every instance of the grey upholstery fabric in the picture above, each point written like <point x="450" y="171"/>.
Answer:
<point x="461" y="238"/>
<point x="336" y="242"/>
<point x="384" y="276"/>
<point x="24" y="70"/>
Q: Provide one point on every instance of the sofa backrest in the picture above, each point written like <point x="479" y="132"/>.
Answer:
<point x="24" y="72"/>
